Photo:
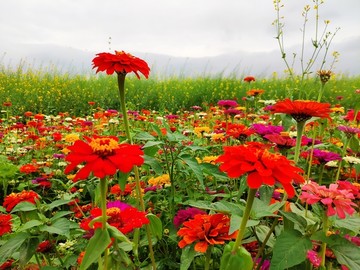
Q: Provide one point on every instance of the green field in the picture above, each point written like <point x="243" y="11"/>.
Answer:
<point x="51" y="92"/>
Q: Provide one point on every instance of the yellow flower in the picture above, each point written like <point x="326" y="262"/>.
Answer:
<point x="160" y="180"/>
<point x="207" y="159"/>
<point x="199" y="131"/>
<point x="71" y="137"/>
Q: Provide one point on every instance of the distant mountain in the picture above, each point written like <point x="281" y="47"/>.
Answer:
<point x="237" y="64"/>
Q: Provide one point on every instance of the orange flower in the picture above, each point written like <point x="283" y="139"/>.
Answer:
<point x="249" y="79"/>
<point x="120" y="62"/>
<point x="205" y="230"/>
<point x="262" y="167"/>
<point x="302" y="110"/>
<point x="13" y="199"/>
<point x="102" y="156"/>
<point x="255" y="92"/>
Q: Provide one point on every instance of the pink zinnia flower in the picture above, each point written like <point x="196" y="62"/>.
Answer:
<point x="338" y="201"/>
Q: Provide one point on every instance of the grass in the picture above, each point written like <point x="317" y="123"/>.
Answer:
<point x="53" y="92"/>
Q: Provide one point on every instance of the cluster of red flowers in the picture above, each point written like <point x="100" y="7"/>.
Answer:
<point x="262" y="166"/>
<point x="205" y="230"/>
<point x="14" y="199"/>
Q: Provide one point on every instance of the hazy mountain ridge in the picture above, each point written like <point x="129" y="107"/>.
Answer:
<point x="241" y="63"/>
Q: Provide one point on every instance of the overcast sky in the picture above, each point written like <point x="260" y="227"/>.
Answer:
<point x="187" y="28"/>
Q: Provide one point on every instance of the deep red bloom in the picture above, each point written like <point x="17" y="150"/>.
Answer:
<point x="45" y="246"/>
<point x="5" y="223"/>
<point x="120" y="62"/>
<point x="262" y="167"/>
<point x="13" y="199"/>
<point x="302" y="110"/>
<point x="7" y="265"/>
<point x="102" y="156"/>
<point x="205" y="230"/>
<point x="125" y="219"/>
<point x="249" y="79"/>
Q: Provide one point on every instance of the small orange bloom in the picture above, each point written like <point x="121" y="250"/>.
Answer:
<point x="28" y="168"/>
<point x="205" y="230"/>
<point x="255" y="92"/>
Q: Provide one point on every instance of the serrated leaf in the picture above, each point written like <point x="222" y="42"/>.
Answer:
<point x="60" y="214"/>
<point x="144" y="136"/>
<point x="57" y="203"/>
<point x="345" y="251"/>
<point x="12" y="245"/>
<point x="30" y="224"/>
<point x="24" y="207"/>
<point x="235" y="221"/>
<point x="194" y="166"/>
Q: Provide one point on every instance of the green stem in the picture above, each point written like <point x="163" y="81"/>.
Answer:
<point x="103" y="195"/>
<point x="341" y="161"/>
<point x="208" y="258"/>
<point x="321" y="91"/>
<point x="249" y="203"/>
<point x="299" y="132"/>
<point x="267" y="237"/>
<point x="121" y="85"/>
<point x="323" y="245"/>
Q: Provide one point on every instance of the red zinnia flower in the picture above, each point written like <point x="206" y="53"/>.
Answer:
<point x="45" y="246"/>
<point x="205" y="230"/>
<point x="302" y="110"/>
<point x="7" y="265"/>
<point x="5" y="223"/>
<point x="102" y="156"/>
<point x="124" y="217"/>
<point x="249" y="79"/>
<point x="238" y="131"/>
<point x="120" y="62"/>
<point x="262" y="167"/>
<point x="28" y="168"/>
<point x="13" y="199"/>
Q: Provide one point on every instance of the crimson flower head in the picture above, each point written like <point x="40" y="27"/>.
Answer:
<point x="249" y="79"/>
<point x="302" y="110"/>
<point x="5" y="223"/>
<point x="261" y="167"/>
<point x="102" y="156"/>
<point x="205" y="230"/>
<point x="120" y="62"/>
<point x="14" y="199"/>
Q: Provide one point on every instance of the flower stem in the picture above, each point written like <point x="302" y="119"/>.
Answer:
<point x="323" y="245"/>
<point x="300" y="129"/>
<point x="121" y="85"/>
<point x="208" y="258"/>
<point x="249" y="203"/>
<point x="103" y="195"/>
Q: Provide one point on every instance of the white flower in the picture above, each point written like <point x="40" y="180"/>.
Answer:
<point x="352" y="160"/>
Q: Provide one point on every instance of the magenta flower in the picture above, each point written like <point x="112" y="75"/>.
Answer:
<point x="186" y="214"/>
<point x="314" y="258"/>
<point x="324" y="156"/>
<point x="227" y="103"/>
<point x="263" y="130"/>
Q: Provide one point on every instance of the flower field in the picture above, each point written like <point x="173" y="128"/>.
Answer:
<point x="253" y="176"/>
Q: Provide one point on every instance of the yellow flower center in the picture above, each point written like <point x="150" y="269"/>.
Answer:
<point x="104" y="146"/>
<point x="113" y="211"/>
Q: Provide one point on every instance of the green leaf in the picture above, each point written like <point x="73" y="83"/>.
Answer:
<point x="27" y="250"/>
<point x="114" y="232"/>
<point x="187" y="256"/>
<point x="261" y="232"/>
<point x="12" y="245"/>
<point x="96" y="246"/>
<point x="154" y="164"/>
<point x="57" y="203"/>
<point x="60" y="214"/>
<point x="194" y="166"/>
<point x="144" y="136"/>
<point x="152" y="144"/>
<point x="213" y="170"/>
<point x="354" y="144"/>
<point x="350" y="223"/>
<point x="123" y="177"/>
<point x="155" y="226"/>
<point x="289" y="250"/>
<point x="30" y="224"/>
<point x="299" y="220"/>
<point x="261" y="209"/>
<point x="345" y="251"/>
<point x="24" y="207"/>
<point x="235" y="222"/>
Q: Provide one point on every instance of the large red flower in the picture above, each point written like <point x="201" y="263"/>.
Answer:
<point x="120" y="62"/>
<point x="261" y="166"/>
<point x="102" y="156"/>
<point x="13" y="199"/>
<point x="5" y="223"/>
<point x="302" y="110"/>
<point x="205" y="230"/>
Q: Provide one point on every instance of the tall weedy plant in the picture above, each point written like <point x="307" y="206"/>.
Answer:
<point x="313" y="53"/>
